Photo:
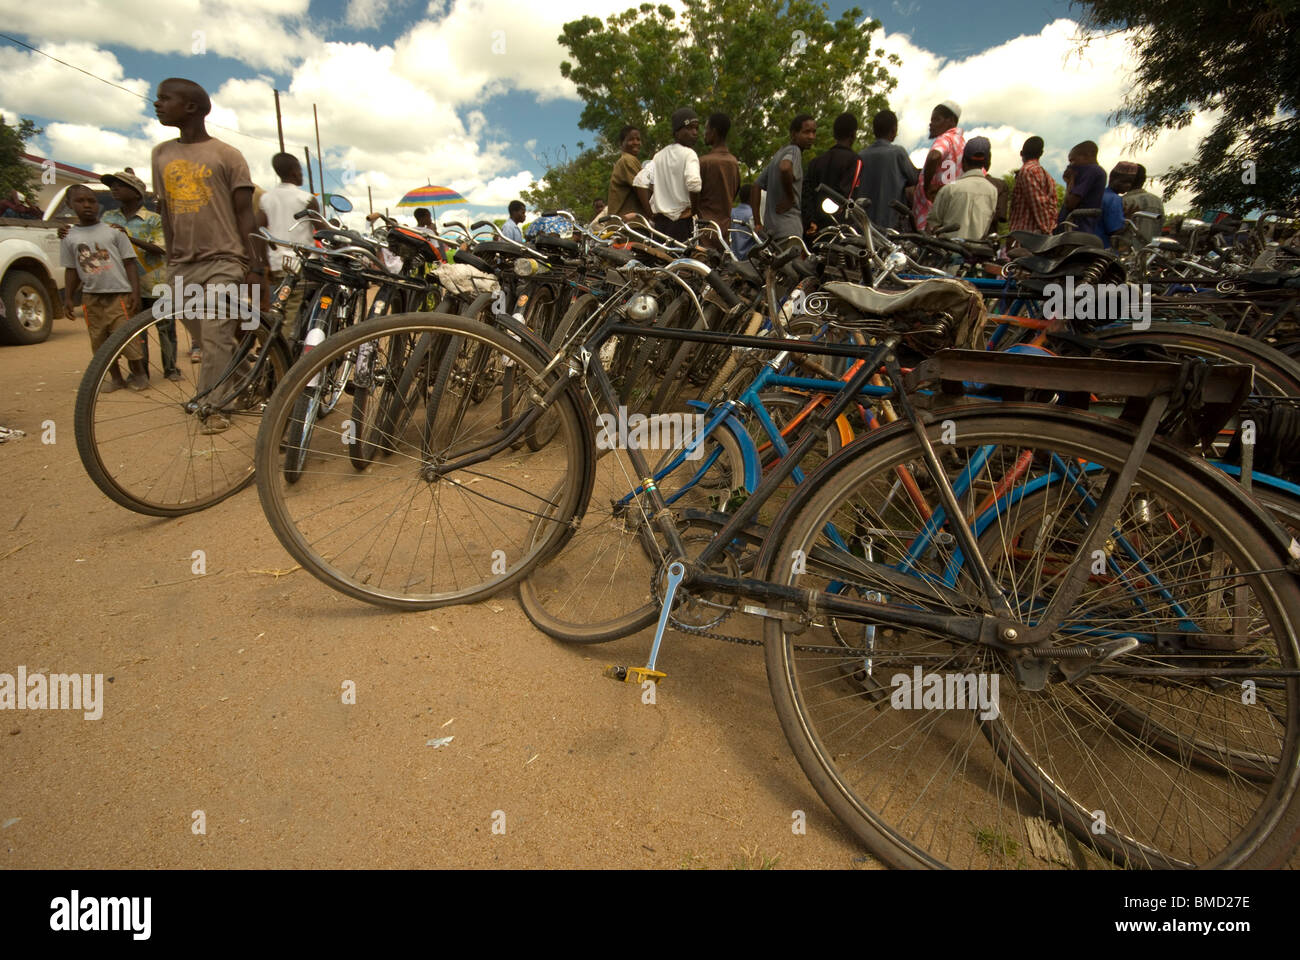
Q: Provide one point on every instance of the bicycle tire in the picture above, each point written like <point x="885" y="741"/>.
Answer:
<point x="601" y="586"/>
<point x="398" y="536"/>
<point x="164" y="466"/>
<point x="1276" y="374"/>
<point x="1050" y="775"/>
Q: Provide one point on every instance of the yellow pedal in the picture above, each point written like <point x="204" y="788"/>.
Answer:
<point x="636" y="675"/>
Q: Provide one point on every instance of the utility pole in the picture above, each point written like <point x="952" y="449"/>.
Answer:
<point x="279" y="124"/>
<point x="320" y="157"/>
<point x="311" y="183"/>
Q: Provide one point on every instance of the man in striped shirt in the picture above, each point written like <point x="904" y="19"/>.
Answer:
<point x="1033" y="201"/>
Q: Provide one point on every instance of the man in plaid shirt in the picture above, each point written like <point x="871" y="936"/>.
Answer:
<point x="1033" y="201"/>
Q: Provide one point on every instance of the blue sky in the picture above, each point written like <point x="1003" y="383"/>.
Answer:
<point x="408" y="90"/>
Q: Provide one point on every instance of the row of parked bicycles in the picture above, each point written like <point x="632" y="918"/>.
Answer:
<point x="1017" y="572"/>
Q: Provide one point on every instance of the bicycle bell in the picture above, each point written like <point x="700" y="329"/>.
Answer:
<point x="896" y="261"/>
<point x="643" y="308"/>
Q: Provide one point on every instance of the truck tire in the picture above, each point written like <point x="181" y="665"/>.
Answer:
<point x="28" y="313"/>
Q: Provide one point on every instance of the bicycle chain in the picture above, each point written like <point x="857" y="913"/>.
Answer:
<point x="728" y="638"/>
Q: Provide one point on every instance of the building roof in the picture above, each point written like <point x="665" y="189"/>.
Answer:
<point x="88" y="176"/>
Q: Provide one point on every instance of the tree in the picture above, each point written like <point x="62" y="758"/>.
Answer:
<point x="760" y="61"/>
<point x="14" y="174"/>
<point x="1240" y="59"/>
<point x="571" y="184"/>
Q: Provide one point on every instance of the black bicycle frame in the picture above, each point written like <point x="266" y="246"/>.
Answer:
<point x="998" y="628"/>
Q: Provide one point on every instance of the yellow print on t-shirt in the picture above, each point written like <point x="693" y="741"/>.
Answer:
<point x="186" y="190"/>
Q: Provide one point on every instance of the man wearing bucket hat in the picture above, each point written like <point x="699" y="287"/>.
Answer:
<point x="145" y="229"/>
<point x="943" y="163"/>
<point x="674" y="173"/>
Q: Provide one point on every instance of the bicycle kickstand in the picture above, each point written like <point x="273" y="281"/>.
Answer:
<point x="638" y="675"/>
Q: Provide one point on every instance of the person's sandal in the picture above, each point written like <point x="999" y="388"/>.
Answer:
<point x="115" y="381"/>
<point x="217" y="423"/>
<point x="139" y="375"/>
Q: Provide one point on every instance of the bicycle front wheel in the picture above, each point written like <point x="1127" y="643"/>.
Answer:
<point x="1148" y="760"/>
<point x="414" y="531"/>
<point x="165" y="451"/>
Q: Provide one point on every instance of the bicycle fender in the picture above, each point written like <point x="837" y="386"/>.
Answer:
<point x="748" y="452"/>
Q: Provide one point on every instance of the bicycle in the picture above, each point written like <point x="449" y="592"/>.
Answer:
<point x="1206" y="596"/>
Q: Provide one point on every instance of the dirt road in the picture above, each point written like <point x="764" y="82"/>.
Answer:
<point x="224" y="693"/>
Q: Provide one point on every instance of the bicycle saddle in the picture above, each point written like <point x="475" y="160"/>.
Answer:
<point x="746" y="271"/>
<point x="417" y="240"/>
<point x="614" y="255"/>
<point x="557" y="243"/>
<point x="1044" y="243"/>
<point x="1062" y="262"/>
<point x="937" y="294"/>
<point x="465" y="257"/>
<point x="492" y="248"/>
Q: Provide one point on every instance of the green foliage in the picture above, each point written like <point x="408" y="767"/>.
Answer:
<point x="571" y="184"/>
<point x="14" y="174"/>
<point x="760" y="61"/>
<point x="1241" y="58"/>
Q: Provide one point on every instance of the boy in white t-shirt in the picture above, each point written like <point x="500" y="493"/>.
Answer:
<point x="278" y="206"/>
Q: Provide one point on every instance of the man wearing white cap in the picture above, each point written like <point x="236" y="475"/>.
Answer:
<point x="943" y="164"/>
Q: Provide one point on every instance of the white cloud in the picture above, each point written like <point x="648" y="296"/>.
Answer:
<point x="367" y="14"/>
<point x="484" y="47"/>
<point x="266" y="34"/>
<point x="1033" y="85"/>
<point x="36" y="85"/>
<point x="94" y="148"/>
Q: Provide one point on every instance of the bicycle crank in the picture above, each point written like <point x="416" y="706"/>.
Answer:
<point x="676" y="573"/>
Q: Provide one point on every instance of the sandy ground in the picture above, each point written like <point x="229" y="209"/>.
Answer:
<point x="223" y="694"/>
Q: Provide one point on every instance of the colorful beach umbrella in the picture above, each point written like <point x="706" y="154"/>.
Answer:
<point x="431" y="196"/>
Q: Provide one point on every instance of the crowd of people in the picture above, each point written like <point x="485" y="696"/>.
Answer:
<point x="209" y="208"/>
<point x="952" y="195"/>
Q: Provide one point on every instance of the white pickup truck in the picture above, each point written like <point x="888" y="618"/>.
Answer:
<point x="31" y="280"/>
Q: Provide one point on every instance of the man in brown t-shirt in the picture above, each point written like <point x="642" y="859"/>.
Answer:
<point x="719" y="176"/>
<point x="205" y="196"/>
<point x="623" y="200"/>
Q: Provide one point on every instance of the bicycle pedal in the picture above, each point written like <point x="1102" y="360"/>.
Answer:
<point x="636" y="675"/>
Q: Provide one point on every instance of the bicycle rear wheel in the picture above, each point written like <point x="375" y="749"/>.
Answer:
<point x="407" y="533"/>
<point x="602" y="585"/>
<point x="156" y="451"/>
<point x="1276" y="374"/>
<point x="1143" y="761"/>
